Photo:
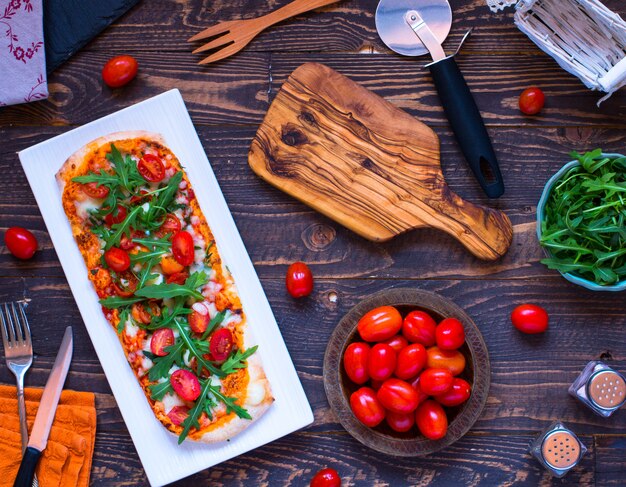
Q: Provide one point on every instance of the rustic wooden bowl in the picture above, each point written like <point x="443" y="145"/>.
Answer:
<point x="382" y="438"/>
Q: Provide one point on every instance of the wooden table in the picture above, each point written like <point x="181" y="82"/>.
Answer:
<point x="530" y="374"/>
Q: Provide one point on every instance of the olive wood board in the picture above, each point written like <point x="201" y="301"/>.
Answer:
<point x="366" y="164"/>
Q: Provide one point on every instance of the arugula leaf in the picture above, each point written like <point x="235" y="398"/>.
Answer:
<point x="193" y="350"/>
<point x="113" y="302"/>
<point x="217" y="320"/>
<point x="237" y="360"/>
<point x="162" y="365"/>
<point x="165" y="290"/>
<point x="191" y="421"/>
<point x="122" y="228"/>
<point x="231" y="405"/>
<point x="158" y="390"/>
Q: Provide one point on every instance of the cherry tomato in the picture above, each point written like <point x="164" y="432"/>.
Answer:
<point x="185" y="384"/>
<point x="20" y="242"/>
<point x="126" y="243"/>
<point x="171" y="226"/>
<point x="397" y="343"/>
<point x="299" y="280"/>
<point x="366" y="407"/>
<point x="178" y="414"/>
<point x="221" y="344"/>
<point x="398" y="396"/>
<point x="127" y="285"/>
<point x="355" y="362"/>
<point x="177" y="278"/>
<point x="169" y="265"/>
<point x="380" y="324"/>
<point x="531" y="101"/>
<point x="163" y="337"/>
<point x="453" y="360"/>
<point x="381" y="362"/>
<point x="419" y="327"/>
<point x="431" y="420"/>
<point x="151" y="168"/>
<point x="458" y="393"/>
<point x="119" y="71"/>
<point x="530" y="318"/>
<point x="400" y="422"/>
<point x="182" y="248"/>
<point x="415" y="384"/>
<point x="327" y="477"/>
<point x="95" y="191"/>
<point x="435" y="381"/>
<point x="411" y="361"/>
<point x="140" y="313"/>
<point x="117" y="259"/>
<point x="450" y="334"/>
<point x="118" y="216"/>
<point x="198" y="322"/>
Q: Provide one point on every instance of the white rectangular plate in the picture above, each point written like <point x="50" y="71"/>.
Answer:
<point x="163" y="459"/>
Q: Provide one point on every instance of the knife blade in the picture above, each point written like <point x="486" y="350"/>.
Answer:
<point x="420" y="27"/>
<point x="46" y="411"/>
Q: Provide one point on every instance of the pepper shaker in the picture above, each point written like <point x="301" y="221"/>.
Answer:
<point x="558" y="449"/>
<point x="601" y="388"/>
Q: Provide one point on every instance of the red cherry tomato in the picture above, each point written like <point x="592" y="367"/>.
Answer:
<point x="411" y="361"/>
<point x="415" y="384"/>
<point x="95" y="191"/>
<point x="171" y="226"/>
<point x="435" y="381"/>
<point x="117" y="259"/>
<point x="450" y="334"/>
<point x="151" y="168"/>
<point x="126" y="243"/>
<point x="177" y="278"/>
<point x="431" y="420"/>
<point x="140" y="314"/>
<point x="118" y="216"/>
<point x="185" y="384"/>
<point x="127" y="284"/>
<point x="178" y="414"/>
<point x="453" y="360"/>
<point x="299" y="280"/>
<point x="327" y="477"/>
<point x="380" y="324"/>
<point x="198" y="322"/>
<point x="458" y="393"/>
<point x="398" y="396"/>
<point x="381" y="361"/>
<point x="182" y="248"/>
<point x="400" y="422"/>
<point x="20" y="242"/>
<point x="531" y="101"/>
<point x="119" y="71"/>
<point x="397" y="343"/>
<point x="419" y="327"/>
<point x="163" y="337"/>
<point x="366" y="407"/>
<point x="355" y="362"/>
<point x="221" y="344"/>
<point x="530" y="318"/>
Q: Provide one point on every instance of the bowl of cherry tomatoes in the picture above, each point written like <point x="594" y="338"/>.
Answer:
<point x="407" y="372"/>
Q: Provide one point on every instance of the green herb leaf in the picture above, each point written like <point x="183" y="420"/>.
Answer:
<point x="237" y="360"/>
<point x="158" y="390"/>
<point x="164" y="290"/>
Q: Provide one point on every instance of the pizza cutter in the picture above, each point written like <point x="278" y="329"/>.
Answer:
<point x="417" y="27"/>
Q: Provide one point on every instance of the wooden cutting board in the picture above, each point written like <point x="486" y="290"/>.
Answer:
<point x="365" y="163"/>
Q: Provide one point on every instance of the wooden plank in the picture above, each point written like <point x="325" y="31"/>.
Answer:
<point x="610" y="460"/>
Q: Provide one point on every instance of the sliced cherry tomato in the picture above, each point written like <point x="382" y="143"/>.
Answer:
<point x="458" y="393"/>
<point x="151" y="168"/>
<point x="398" y="396"/>
<point x="419" y="327"/>
<point x="531" y="101"/>
<point x="400" y="422"/>
<point x="435" y="381"/>
<point x="177" y="278"/>
<point x="163" y="337"/>
<point x="20" y="242"/>
<point x="355" y="360"/>
<point x="169" y="265"/>
<point x="118" y="216"/>
<point x="221" y="344"/>
<point x="127" y="284"/>
<point x="366" y="407"/>
<point x="95" y="191"/>
<point x="182" y="248"/>
<point x="171" y="226"/>
<point x="450" y="334"/>
<point x="178" y="414"/>
<point x="117" y="259"/>
<point x="185" y="384"/>
<point x="140" y="314"/>
<point x="299" y="280"/>
<point x="119" y="71"/>
<point x="327" y="477"/>
<point x="530" y="318"/>
<point x="453" y="360"/>
<point x="126" y="242"/>
<point x="198" y="322"/>
<point x="381" y="362"/>
<point x="380" y="324"/>
<point x="431" y="420"/>
<point x="411" y="361"/>
<point x="397" y="342"/>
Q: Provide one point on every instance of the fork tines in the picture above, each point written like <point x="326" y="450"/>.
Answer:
<point x="15" y="329"/>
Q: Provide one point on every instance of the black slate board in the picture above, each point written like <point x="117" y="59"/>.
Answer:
<point x="70" y="24"/>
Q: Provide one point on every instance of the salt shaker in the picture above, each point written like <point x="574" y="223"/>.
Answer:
<point x="601" y="388"/>
<point x="558" y="449"/>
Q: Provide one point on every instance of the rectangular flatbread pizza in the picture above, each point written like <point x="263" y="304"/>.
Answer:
<point x="156" y="268"/>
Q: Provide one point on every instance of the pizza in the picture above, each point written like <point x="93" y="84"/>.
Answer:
<point x="156" y="268"/>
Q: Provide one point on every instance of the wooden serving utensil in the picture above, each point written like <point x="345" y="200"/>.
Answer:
<point x="234" y="35"/>
<point x="365" y="163"/>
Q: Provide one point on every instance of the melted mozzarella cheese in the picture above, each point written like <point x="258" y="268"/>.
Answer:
<point x="84" y="207"/>
<point x="170" y="401"/>
<point x="130" y="328"/>
<point x="256" y="393"/>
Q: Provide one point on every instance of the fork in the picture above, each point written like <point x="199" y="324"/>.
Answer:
<point x="236" y="34"/>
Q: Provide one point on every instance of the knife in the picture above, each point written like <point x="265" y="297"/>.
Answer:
<point x="45" y="413"/>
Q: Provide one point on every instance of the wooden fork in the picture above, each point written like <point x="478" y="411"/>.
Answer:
<point x="236" y="34"/>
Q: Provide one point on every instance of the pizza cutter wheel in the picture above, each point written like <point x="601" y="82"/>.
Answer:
<point x="416" y="27"/>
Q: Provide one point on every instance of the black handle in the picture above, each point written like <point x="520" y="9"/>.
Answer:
<point x="27" y="468"/>
<point x="467" y="125"/>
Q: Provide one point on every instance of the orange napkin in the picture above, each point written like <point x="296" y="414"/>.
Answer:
<point x="66" y="461"/>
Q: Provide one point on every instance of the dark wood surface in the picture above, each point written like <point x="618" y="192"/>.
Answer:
<point x="227" y="101"/>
